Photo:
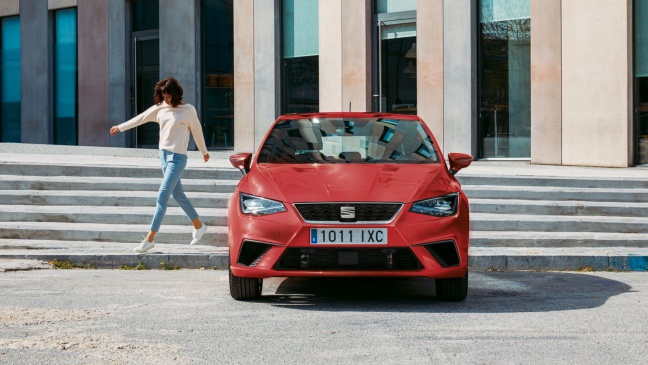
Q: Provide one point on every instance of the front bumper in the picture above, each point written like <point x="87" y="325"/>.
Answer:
<point x="285" y="234"/>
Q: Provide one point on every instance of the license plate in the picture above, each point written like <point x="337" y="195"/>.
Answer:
<point x="377" y="236"/>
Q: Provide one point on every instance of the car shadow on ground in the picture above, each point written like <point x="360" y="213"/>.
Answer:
<point x="489" y="292"/>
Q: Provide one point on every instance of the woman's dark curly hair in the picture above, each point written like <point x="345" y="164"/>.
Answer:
<point x="169" y="86"/>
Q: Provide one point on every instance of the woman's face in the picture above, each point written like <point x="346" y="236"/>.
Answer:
<point x="167" y="98"/>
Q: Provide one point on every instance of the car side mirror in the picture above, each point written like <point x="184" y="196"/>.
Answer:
<point x="241" y="161"/>
<point x="458" y="161"/>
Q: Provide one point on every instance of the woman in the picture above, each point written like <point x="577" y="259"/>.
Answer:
<point x="177" y="120"/>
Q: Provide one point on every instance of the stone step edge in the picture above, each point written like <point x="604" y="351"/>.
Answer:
<point x="494" y="260"/>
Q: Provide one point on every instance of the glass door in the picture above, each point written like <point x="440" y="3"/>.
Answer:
<point x="146" y="73"/>
<point x="504" y="79"/>
<point x="397" y="66"/>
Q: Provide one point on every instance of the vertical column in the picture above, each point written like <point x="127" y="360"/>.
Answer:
<point x="36" y="73"/>
<point x="267" y="37"/>
<point x="546" y="82"/>
<point x="118" y="97"/>
<point x="460" y="76"/>
<point x="93" y="56"/>
<point x="330" y="55"/>
<point x="244" y="76"/>
<point x="596" y="82"/>
<point x="356" y="55"/>
<point x="429" y="64"/>
<point x="179" y="44"/>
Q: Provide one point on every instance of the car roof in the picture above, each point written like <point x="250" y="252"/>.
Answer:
<point x="350" y="115"/>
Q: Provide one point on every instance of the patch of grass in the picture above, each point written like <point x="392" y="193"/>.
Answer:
<point x="140" y="266"/>
<point x="585" y="269"/>
<point x="68" y="265"/>
<point x="167" y="267"/>
<point x="214" y="268"/>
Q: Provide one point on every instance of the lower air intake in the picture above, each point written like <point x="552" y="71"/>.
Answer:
<point x="252" y="252"/>
<point x="445" y="253"/>
<point x="348" y="259"/>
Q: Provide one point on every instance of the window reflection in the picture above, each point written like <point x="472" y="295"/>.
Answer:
<point x="300" y="49"/>
<point x="337" y="141"/>
<point x="641" y="81"/>
<point x="218" y="73"/>
<point x="399" y="75"/>
<point x="65" y="77"/>
<point x="10" y="80"/>
<point x="505" y="79"/>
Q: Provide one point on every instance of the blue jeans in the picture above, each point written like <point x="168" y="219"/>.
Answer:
<point x="173" y="164"/>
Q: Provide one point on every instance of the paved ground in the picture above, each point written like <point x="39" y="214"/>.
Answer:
<point x="187" y="317"/>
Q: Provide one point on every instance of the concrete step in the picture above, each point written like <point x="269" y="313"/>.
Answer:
<point x="550" y="223"/>
<point x="17" y="182"/>
<point x="112" y="255"/>
<point x="106" y="215"/>
<point x="27" y="169"/>
<point x="565" y="207"/>
<point x="553" y="181"/>
<point x="555" y="193"/>
<point x="557" y="239"/>
<point x="105" y="198"/>
<point x="215" y="236"/>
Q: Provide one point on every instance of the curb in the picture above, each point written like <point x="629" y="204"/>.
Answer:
<point x="481" y="262"/>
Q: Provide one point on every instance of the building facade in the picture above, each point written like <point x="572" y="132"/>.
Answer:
<point x="562" y="82"/>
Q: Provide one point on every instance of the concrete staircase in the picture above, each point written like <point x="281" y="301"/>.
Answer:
<point x="522" y="211"/>
<point x="70" y="203"/>
<point x="107" y="204"/>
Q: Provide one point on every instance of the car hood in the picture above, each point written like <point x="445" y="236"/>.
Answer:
<point x="349" y="182"/>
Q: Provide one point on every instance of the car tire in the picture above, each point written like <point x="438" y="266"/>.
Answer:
<point x="453" y="289"/>
<point x="244" y="288"/>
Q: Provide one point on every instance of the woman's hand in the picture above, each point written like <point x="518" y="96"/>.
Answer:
<point x="113" y="130"/>
<point x="206" y="157"/>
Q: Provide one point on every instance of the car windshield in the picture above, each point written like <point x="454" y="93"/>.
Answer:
<point x="336" y="140"/>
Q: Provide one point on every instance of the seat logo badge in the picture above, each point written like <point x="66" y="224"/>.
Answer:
<point x="347" y="212"/>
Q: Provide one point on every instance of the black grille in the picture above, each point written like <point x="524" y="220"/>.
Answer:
<point x="348" y="259"/>
<point x="252" y="252"/>
<point x="445" y="253"/>
<point x="331" y="212"/>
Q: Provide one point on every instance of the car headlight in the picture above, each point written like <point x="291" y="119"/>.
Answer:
<point x="260" y="206"/>
<point x="440" y="207"/>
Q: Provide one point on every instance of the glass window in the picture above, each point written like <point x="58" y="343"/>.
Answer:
<point x="218" y="73"/>
<point x="10" y="80"/>
<point x="398" y="68"/>
<point x="145" y="45"/>
<point x="393" y="6"/>
<point x="361" y="140"/>
<point x="300" y="50"/>
<point x="641" y="81"/>
<point x="145" y="15"/>
<point x="65" y="76"/>
<point x="505" y="79"/>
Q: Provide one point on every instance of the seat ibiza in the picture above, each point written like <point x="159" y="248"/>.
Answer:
<point x="348" y="195"/>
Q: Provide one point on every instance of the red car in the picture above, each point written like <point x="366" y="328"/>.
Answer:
<point x="349" y="195"/>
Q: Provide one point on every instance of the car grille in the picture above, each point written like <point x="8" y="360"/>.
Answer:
<point x="363" y="212"/>
<point x="348" y="259"/>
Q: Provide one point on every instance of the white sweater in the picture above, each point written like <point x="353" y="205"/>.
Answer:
<point x="175" y="126"/>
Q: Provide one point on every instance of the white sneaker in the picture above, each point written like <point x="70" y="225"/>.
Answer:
<point x="144" y="246"/>
<point x="198" y="233"/>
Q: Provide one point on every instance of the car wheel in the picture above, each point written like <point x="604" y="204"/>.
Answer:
<point x="244" y="288"/>
<point x="453" y="289"/>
